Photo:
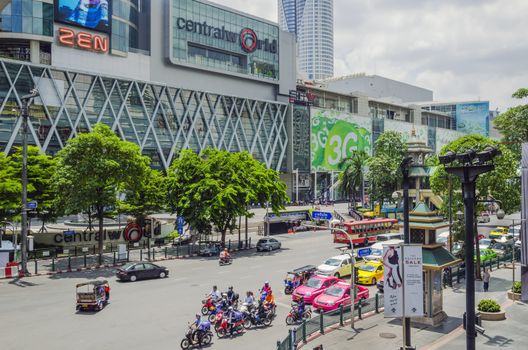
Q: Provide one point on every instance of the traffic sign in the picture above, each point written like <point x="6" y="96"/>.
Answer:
<point x="321" y="215"/>
<point x="364" y="252"/>
<point x="180" y="221"/>
<point x="32" y="205"/>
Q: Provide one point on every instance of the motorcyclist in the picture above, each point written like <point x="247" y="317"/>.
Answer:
<point x="215" y="294"/>
<point x="261" y="312"/>
<point x="224" y="255"/>
<point x="266" y="288"/>
<point x="231" y="296"/>
<point x="301" y="307"/>
<point x="231" y="319"/>
<point x="198" y="333"/>
<point x="250" y="299"/>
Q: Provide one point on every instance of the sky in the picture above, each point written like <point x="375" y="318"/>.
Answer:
<point x="460" y="49"/>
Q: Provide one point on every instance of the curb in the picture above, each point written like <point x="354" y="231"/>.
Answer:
<point x="80" y="269"/>
<point x="336" y="326"/>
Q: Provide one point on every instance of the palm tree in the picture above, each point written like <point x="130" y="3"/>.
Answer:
<point x="351" y="178"/>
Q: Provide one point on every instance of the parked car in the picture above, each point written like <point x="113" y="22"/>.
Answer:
<point x="337" y="295"/>
<point x="486" y="255"/>
<point x="315" y="286"/>
<point x="268" y="244"/>
<point x="483" y="217"/>
<point x="141" y="270"/>
<point x="381" y="285"/>
<point x="505" y="248"/>
<point x="211" y="250"/>
<point x="485" y="243"/>
<point x="370" y="273"/>
<point x="336" y="266"/>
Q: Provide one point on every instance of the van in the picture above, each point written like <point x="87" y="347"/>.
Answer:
<point x="388" y="236"/>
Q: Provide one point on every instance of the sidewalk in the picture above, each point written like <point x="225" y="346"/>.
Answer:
<point x="379" y="333"/>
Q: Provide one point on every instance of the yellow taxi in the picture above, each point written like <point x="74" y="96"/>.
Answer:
<point x="369" y="273"/>
<point x="498" y="232"/>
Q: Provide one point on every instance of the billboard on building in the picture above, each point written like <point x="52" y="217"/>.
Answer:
<point x="301" y="143"/>
<point x="90" y="14"/>
<point x="335" y="136"/>
<point x="405" y="129"/>
<point x="473" y="118"/>
<point x="445" y="136"/>
<point x="213" y="37"/>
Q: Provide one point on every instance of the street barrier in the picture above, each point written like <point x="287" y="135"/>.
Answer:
<point x="319" y="323"/>
<point x="9" y="271"/>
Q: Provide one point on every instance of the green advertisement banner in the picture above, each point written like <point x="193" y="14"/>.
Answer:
<point x="335" y="136"/>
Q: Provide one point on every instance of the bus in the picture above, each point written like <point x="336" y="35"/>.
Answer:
<point x="363" y="232"/>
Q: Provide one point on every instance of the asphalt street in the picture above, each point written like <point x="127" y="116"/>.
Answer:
<point x="39" y="312"/>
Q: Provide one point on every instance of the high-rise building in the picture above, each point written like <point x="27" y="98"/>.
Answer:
<point x="312" y="21"/>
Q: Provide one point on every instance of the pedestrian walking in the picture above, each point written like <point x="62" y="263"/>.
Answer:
<point x="486" y="278"/>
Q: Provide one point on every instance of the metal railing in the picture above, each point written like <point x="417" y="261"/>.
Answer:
<point x="323" y="320"/>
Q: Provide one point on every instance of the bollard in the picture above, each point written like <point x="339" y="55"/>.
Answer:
<point x="128" y="255"/>
<point x="36" y="263"/>
<point x="153" y="254"/>
<point x="458" y="275"/>
<point x="94" y="250"/>
<point x="321" y="326"/>
<point x="165" y="252"/>
<point x="189" y="248"/>
<point x="498" y="262"/>
<point x="69" y="262"/>
<point x="84" y="258"/>
<point x="75" y="250"/>
<point x="304" y="331"/>
<point x="278" y="345"/>
<point x="229" y="247"/>
<point x="359" y="309"/>
<point x="249" y="242"/>
<point x="341" y="321"/>
<point x="53" y="264"/>
<point x="141" y="254"/>
<point x="294" y="339"/>
<point x="376" y="298"/>
<point x="114" y="258"/>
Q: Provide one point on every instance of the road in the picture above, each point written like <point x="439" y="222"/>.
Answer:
<point x="39" y="312"/>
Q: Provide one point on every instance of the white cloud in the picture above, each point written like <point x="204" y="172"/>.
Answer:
<point x="466" y="49"/>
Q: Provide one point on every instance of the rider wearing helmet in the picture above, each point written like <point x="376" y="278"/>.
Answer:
<point x="266" y="288"/>
<point x="198" y="333"/>
<point x="231" y="296"/>
<point x="300" y="307"/>
<point x="224" y="255"/>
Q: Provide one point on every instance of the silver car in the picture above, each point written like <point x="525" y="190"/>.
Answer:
<point x="268" y="244"/>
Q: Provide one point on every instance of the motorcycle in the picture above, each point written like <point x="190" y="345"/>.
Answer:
<point x="233" y="303"/>
<point x="218" y="312"/>
<point x="225" y="261"/>
<point x="224" y="328"/>
<point x="208" y="305"/>
<point x="294" y="316"/>
<point x="191" y="339"/>
<point x="254" y="319"/>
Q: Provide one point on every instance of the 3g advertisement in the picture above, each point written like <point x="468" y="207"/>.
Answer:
<point x="335" y="136"/>
<point x="90" y="14"/>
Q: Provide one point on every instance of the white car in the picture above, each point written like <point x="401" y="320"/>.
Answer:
<point x="336" y="266"/>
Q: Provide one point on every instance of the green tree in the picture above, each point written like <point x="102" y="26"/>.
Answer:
<point x="92" y="169"/>
<point x="351" y="178"/>
<point x="40" y="170"/>
<point x="10" y="188"/>
<point x="513" y="124"/>
<point x="384" y="167"/>
<point x="217" y="187"/>
<point x="501" y="184"/>
<point x="149" y="197"/>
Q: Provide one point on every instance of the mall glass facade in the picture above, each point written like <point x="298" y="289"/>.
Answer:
<point x="26" y="16"/>
<point x="209" y="36"/>
<point x="159" y="118"/>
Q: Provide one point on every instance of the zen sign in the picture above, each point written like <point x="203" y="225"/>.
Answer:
<point x="83" y="40"/>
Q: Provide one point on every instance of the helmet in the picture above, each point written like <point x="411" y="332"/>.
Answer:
<point x="198" y="316"/>
<point x="230" y="308"/>
<point x="266" y="283"/>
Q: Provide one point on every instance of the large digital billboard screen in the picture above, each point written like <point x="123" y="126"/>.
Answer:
<point x="473" y="118"/>
<point x="90" y="14"/>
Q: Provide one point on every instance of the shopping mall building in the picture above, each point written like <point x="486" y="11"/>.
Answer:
<point x="174" y="74"/>
<point x="165" y="74"/>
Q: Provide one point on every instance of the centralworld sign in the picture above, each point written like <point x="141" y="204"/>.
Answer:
<point x="247" y="37"/>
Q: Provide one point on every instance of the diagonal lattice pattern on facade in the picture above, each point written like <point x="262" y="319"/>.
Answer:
<point x="161" y="119"/>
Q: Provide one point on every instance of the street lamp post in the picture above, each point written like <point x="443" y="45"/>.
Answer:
<point x="404" y="166"/>
<point x="24" y="113"/>
<point x="470" y="165"/>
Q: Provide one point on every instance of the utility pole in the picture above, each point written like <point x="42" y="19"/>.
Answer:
<point x="404" y="166"/>
<point x="24" y="113"/>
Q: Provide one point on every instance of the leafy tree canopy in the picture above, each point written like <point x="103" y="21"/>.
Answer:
<point x="513" y="124"/>
<point x="501" y="184"/>
<point x="10" y="188"/>
<point x="217" y="187"/>
<point x="93" y="168"/>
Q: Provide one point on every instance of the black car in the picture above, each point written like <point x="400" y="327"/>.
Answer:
<point x="381" y="285"/>
<point x="141" y="270"/>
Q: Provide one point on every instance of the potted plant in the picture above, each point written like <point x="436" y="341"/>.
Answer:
<point x="490" y="310"/>
<point x="515" y="292"/>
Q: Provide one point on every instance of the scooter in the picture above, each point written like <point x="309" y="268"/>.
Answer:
<point x="224" y="328"/>
<point x="253" y="319"/>
<point x="225" y="261"/>
<point x="294" y="316"/>
<point x="208" y="305"/>
<point x="192" y="340"/>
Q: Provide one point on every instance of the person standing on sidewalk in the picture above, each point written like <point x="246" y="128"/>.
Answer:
<point x="486" y="278"/>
